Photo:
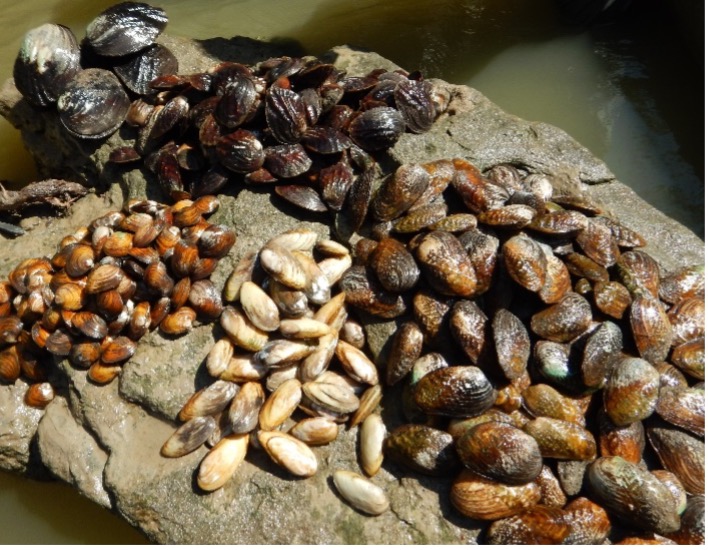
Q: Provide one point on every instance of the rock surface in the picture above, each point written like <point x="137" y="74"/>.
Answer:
<point x="106" y="440"/>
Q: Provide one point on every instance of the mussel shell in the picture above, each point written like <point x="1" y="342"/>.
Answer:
<point x="395" y="267"/>
<point x="627" y="442"/>
<point x="378" y="128"/>
<point x="125" y="28"/>
<point x="564" y="320"/>
<point x="480" y="498"/>
<point x="537" y="525"/>
<point x="414" y="99"/>
<point x="138" y="71"/>
<point x="445" y="264"/>
<point x="405" y="351"/>
<point x="240" y="151"/>
<point x="512" y="342"/>
<point x="399" y="192"/>
<point x="468" y="325"/>
<point x="561" y="439"/>
<point x="501" y="452"/>
<point x="683" y="407"/>
<point x="633" y="494"/>
<point x="422" y="449"/>
<point x="682" y="454"/>
<point x="286" y="114"/>
<point x="93" y="104"/>
<point x="48" y="59"/>
<point x="461" y="391"/>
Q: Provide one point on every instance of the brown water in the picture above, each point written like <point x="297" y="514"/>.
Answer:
<point x="633" y="93"/>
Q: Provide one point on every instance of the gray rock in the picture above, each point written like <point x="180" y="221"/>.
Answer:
<point x="123" y="425"/>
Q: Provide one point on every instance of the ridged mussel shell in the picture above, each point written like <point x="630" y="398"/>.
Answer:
<point x="460" y="391"/>
<point x="633" y="494"/>
<point x="502" y="452"/>
<point x="422" y="449"/>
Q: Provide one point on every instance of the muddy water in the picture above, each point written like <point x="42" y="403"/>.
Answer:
<point x="631" y="92"/>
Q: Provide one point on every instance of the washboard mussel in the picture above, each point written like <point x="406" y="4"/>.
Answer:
<point x="108" y="285"/>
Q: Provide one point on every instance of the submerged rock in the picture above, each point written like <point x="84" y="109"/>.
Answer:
<point x="123" y="425"/>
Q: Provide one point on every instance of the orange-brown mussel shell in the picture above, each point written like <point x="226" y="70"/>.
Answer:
<point x="430" y="311"/>
<point x="455" y="391"/>
<point x="544" y="400"/>
<point x="365" y="292"/>
<point x="688" y="318"/>
<point x="9" y="364"/>
<point x="686" y="282"/>
<point x="651" y="328"/>
<point x="693" y="523"/>
<point x="537" y="525"/>
<point x="422" y="449"/>
<point x="480" y="498"/>
<point x="683" y="407"/>
<point x="525" y="261"/>
<point x="564" y="320"/>
<point x="512" y="343"/>
<point x="639" y="270"/>
<point x="598" y="243"/>
<point x="103" y="277"/>
<point x="561" y="439"/>
<point x="682" y="454"/>
<point x="501" y="452"/>
<point x="633" y="494"/>
<point x="627" y="441"/>
<point x="690" y="358"/>
<point x="611" y="297"/>
<point x="445" y="264"/>
<point x="120" y="349"/>
<point x="39" y="395"/>
<point x="399" y="192"/>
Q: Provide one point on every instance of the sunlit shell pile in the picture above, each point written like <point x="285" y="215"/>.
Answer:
<point x="533" y="337"/>
<point x="109" y="284"/>
<point x="537" y="345"/>
<point x="288" y="346"/>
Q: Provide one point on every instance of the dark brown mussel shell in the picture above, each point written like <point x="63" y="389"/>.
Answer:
<point x="693" y="523"/>
<point x="378" y="128"/>
<point x="460" y="391"/>
<point x="286" y="114"/>
<point x="405" y="351"/>
<point x="601" y="350"/>
<point x="365" y="292"/>
<point x="598" y="244"/>
<point x="611" y="297"/>
<point x="651" y="328"/>
<point x="287" y="161"/>
<point x="688" y="318"/>
<point x="633" y="494"/>
<point x="500" y="451"/>
<point x="525" y="261"/>
<point x="537" y="525"/>
<point x="414" y="99"/>
<point x="48" y="59"/>
<point x="686" y="282"/>
<point x="238" y="102"/>
<point x="240" y="151"/>
<point x="422" y="449"/>
<point x="335" y="182"/>
<point x="399" y="192"/>
<point x="394" y="266"/>
<point x="125" y="28"/>
<point x="637" y="269"/>
<point x="93" y="104"/>
<point x="141" y="69"/>
<point x="468" y="326"/>
<point x="303" y="196"/>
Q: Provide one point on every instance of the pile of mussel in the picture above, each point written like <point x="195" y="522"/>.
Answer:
<point x="538" y="347"/>
<point x="108" y="285"/>
<point x="299" y="123"/>
<point x="288" y="346"/>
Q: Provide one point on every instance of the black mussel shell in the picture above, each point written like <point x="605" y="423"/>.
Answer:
<point x="93" y="104"/>
<point x="140" y="70"/>
<point x="414" y="100"/>
<point x="378" y="128"/>
<point x="47" y="60"/>
<point x="240" y="151"/>
<point x="125" y="28"/>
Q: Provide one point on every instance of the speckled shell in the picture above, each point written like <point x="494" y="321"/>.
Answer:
<point x="627" y="442"/>
<point x="683" y="407"/>
<point x="611" y="297"/>
<point x="564" y="320"/>
<point x="639" y="270"/>
<point x="544" y="400"/>
<point x="422" y="449"/>
<point x="525" y="261"/>
<point x="562" y="439"/>
<point x="480" y="498"/>
<point x="405" y="350"/>
<point x="445" y="264"/>
<point x="455" y="391"/>
<point x="537" y="525"/>
<point x="632" y="391"/>
<point x="468" y="326"/>
<point x="501" y="452"/>
<point x="600" y="353"/>
<point x="633" y="494"/>
<point x="512" y="343"/>
<point x="651" y="328"/>
<point x="399" y="192"/>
